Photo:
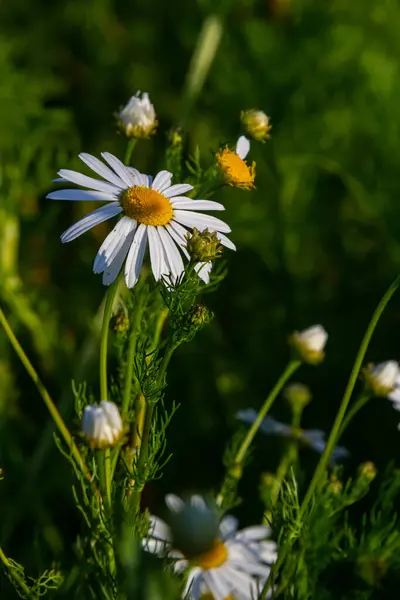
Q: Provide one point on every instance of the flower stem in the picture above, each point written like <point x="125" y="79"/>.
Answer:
<point x="357" y="406"/>
<point x="288" y="372"/>
<point x="15" y="575"/>
<point x="129" y="149"/>
<point x="57" y="418"/>
<point x="335" y="431"/>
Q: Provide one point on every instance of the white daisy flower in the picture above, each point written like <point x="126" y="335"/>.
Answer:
<point x="382" y="379"/>
<point x="138" y="117"/>
<point x="220" y="562"/>
<point x="154" y="212"/>
<point x="313" y="438"/>
<point x="102" y="425"/>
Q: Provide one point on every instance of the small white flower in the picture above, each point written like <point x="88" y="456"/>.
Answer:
<point x="310" y="343"/>
<point x="395" y="395"/>
<point x="153" y="211"/>
<point x="138" y="117"/>
<point x="313" y="438"/>
<point x="381" y="379"/>
<point x="231" y="563"/>
<point x="102" y="425"/>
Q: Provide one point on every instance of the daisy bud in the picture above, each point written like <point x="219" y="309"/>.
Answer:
<point x="298" y="396"/>
<point x="335" y="485"/>
<point x="120" y="322"/>
<point x="138" y="118"/>
<point x="102" y="425"/>
<point x="367" y="471"/>
<point x="199" y="315"/>
<point x="203" y="246"/>
<point x="256" y="124"/>
<point x="175" y="137"/>
<point x="194" y="524"/>
<point x="381" y="379"/>
<point x="310" y="343"/>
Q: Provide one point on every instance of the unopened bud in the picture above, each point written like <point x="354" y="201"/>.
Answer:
<point x="381" y="379"/>
<point x="120" y="322"/>
<point x="367" y="471"/>
<point x="102" y="425"/>
<point x="256" y="124"/>
<point x="138" y="118"/>
<point x="175" y="137"/>
<point x="269" y="488"/>
<point x="199" y="315"/>
<point x="203" y="246"/>
<point x="310" y="343"/>
<point x="298" y="396"/>
<point x="335" y="485"/>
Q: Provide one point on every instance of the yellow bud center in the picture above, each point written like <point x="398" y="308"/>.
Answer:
<point x="235" y="170"/>
<point x="146" y="206"/>
<point x="212" y="558"/>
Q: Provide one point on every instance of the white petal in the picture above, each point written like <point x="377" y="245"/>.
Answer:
<point x="100" y="168"/>
<point x="157" y="256"/>
<point x="135" y="256"/>
<point x="89" y="182"/>
<point x="94" y="218"/>
<point x="178" y="233"/>
<point x="216" y="584"/>
<point x="174" y="503"/>
<point x="135" y="174"/>
<point x="184" y="203"/>
<point x="242" y="147"/>
<point x="159" y="529"/>
<point x="172" y="253"/>
<point x="162" y="181"/>
<point x="111" y="271"/>
<point x="225" y="241"/>
<point x="119" y="168"/>
<point x="254" y="533"/>
<point x="228" y="526"/>
<point x="203" y="270"/>
<point x="200" y="221"/>
<point x="145" y="180"/>
<point x="113" y="243"/>
<point x="84" y="195"/>
<point x="194" y="584"/>
<point x="177" y="189"/>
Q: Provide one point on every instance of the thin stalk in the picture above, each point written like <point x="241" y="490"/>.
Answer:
<point x="57" y="418"/>
<point x="110" y="297"/>
<point x="334" y="434"/>
<point x="288" y="372"/>
<point x="201" y="61"/>
<point x="14" y="574"/>
<point x="357" y="406"/>
<point x="129" y="149"/>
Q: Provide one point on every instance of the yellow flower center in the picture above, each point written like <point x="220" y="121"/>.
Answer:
<point x="212" y="558"/>
<point x="235" y="170"/>
<point x="146" y="206"/>
<point x="209" y="596"/>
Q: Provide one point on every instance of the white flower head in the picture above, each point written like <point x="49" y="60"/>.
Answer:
<point x="154" y="213"/>
<point x="312" y="438"/>
<point x="310" y="343"/>
<point x="395" y="395"/>
<point x="138" y="117"/>
<point x="102" y="425"/>
<point x="382" y="379"/>
<point x="233" y="564"/>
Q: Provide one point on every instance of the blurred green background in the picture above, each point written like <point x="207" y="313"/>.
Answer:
<point x="318" y="241"/>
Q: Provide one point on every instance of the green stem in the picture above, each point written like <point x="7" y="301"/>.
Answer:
<point x="335" y="431"/>
<point x="110" y="297"/>
<point x="129" y="149"/>
<point x="326" y="455"/>
<point x="357" y="406"/>
<point x="14" y="574"/>
<point x="45" y="396"/>
<point x="288" y="372"/>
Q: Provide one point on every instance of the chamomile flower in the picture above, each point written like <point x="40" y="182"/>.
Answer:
<point x="233" y="166"/>
<point x="313" y="438"/>
<point x="310" y="343"/>
<point x="219" y="561"/>
<point x="382" y="379"/>
<point x="102" y="425"/>
<point x="154" y="213"/>
<point x="395" y="395"/>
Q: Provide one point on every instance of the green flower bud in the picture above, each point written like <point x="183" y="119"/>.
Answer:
<point x="298" y="396"/>
<point x="368" y="471"/>
<point x="203" y="246"/>
<point x="199" y="315"/>
<point x="256" y="124"/>
<point x="120" y="322"/>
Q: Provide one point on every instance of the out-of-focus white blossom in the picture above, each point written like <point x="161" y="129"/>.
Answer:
<point x="382" y="379"/>
<point x="138" y="118"/>
<point x="310" y="343"/>
<point x="102" y="425"/>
